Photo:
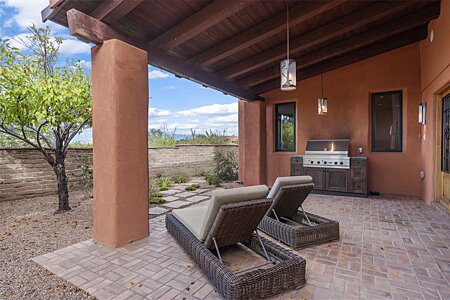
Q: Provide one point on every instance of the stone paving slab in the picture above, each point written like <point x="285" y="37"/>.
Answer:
<point x="171" y="198"/>
<point x="391" y="247"/>
<point x="157" y="210"/>
<point x="187" y="194"/>
<point x="177" y="204"/>
<point x="170" y="192"/>
<point x="197" y="198"/>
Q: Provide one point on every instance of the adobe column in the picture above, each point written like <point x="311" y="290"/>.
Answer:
<point x="252" y="142"/>
<point x="120" y="124"/>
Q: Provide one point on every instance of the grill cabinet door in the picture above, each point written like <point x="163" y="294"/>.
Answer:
<point x="318" y="176"/>
<point x="337" y="180"/>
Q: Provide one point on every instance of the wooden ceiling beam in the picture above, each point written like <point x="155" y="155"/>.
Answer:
<point x="368" y="37"/>
<point x="89" y="29"/>
<point x="111" y="11"/>
<point x="202" y="20"/>
<point x="373" y="12"/>
<point x="264" y="30"/>
<point x="397" y="41"/>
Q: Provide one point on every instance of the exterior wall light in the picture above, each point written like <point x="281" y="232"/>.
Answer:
<point x="288" y="67"/>
<point x="422" y="113"/>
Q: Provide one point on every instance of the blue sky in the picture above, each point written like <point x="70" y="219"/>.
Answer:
<point x="175" y="102"/>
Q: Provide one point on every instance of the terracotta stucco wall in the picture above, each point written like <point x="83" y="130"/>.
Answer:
<point x="348" y="90"/>
<point x="435" y="61"/>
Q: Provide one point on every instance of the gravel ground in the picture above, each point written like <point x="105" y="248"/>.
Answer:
<point x="29" y="228"/>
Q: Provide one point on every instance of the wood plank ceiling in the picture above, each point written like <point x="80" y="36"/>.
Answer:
<point x="235" y="46"/>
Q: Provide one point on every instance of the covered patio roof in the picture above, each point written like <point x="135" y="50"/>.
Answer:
<point x="235" y="46"/>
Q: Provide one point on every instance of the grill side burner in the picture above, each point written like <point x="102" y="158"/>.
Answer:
<point x="327" y="154"/>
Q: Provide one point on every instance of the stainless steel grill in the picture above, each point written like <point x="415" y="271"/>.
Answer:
<point x="327" y="154"/>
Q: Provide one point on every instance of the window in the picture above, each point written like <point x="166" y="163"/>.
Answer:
<point x="285" y="127"/>
<point x="387" y="122"/>
<point x="445" y="165"/>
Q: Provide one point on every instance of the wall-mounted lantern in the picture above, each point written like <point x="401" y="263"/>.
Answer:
<point x="322" y="102"/>
<point x="288" y="67"/>
<point x="423" y="113"/>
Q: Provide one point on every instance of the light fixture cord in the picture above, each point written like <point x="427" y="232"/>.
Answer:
<point x="287" y="27"/>
<point x="321" y="83"/>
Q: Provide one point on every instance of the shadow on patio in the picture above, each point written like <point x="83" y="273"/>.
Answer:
<point x="391" y="247"/>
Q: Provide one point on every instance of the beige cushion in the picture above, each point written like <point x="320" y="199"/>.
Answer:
<point x="220" y="197"/>
<point x="288" y="180"/>
<point x="192" y="218"/>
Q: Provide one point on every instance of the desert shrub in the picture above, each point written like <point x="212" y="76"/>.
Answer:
<point x="156" y="195"/>
<point x="157" y="200"/>
<point x="213" y="180"/>
<point x="179" y="179"/>
<point x="85" y="174"/>
<point x="164" y="184"/>
<point x="163" y="137"/>
<point x="225" y="166"/>
<point x="192" y="187"/>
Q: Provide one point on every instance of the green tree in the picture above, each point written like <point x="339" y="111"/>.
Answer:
<point x="44" y="103"/>
<point x="287" y="133"/>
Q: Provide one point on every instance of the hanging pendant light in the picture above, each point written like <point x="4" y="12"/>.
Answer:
<point x="288" y="67"/>
<point x="322" y="101"/>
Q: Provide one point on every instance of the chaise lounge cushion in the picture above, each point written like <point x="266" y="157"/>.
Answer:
<point x="199" y="220"/>
<point x="288" y="180"/>
<point x="192" y="218"/>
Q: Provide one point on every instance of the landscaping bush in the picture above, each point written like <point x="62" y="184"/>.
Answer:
<point x="157" y="200"/>
<point x="225" y="166"/>
<point x="192" y="187"/>
<point x="179" y="179"/>
<point x="213" y="180"/>
<point x="164" y="184"/>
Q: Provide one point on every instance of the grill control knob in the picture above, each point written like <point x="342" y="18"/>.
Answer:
<point x="325" y="162"/>
<point x="335" y="162"/>
<point x="318" y="162"/>
<point x="341" y="163"/>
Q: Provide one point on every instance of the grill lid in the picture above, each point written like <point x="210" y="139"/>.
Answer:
<point x="327" y="147"/>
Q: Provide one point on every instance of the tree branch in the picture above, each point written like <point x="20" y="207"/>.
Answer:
<point x="66" y="146"/>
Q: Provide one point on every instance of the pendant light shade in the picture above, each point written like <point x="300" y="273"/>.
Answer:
<point x="322" y="102"/>
<point x="288" y="67"/>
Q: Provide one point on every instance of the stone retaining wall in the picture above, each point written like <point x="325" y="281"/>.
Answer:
<point x="25" y="173"/>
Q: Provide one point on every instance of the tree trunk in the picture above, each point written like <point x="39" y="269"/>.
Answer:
<point x="63" y="192"/>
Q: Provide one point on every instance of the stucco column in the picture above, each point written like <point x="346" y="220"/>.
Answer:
<point x="120" y="123"/>
<point x="252" y="142"/>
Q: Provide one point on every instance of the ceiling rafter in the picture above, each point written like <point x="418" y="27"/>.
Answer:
<point x="90" y="29"/>
<point x="111" y="11"/>
<point x="365" y="38"/>
<point x="361" y="17"/>
<point x="394" y="42"/>
<point x="205" y="18"/>
<point x="268" y="28"/>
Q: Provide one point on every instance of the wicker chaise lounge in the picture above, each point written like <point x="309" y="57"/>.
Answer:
<point x="286" y="223"/>
<point x="232" y="217"/>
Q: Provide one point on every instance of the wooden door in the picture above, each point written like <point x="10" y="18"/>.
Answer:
<point x="443" y="150"/>
<point x="337" y="180"/>
<point x="318" y="176"/>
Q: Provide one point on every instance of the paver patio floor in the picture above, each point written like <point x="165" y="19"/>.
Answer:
<point x="391" y="247"/>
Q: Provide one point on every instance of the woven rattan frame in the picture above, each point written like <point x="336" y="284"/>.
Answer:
<point x="288" y="274"/>
<point x="236" y="222"/>
<point x="324" y="231"/>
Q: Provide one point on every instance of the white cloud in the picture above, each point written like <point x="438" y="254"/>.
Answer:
<point x="28" y="12"/>
<point x="72" y="46"/>
<point x="157" y="74"/>
<point x="214" y="109"/>
<point x="158" y="112"/>
<point x="225" y="119"/>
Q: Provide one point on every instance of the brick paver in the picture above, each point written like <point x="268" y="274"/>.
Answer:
<point x="391" y="247"/>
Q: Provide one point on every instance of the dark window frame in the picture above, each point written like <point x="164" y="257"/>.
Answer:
<point x="277" y="127"/>
<point x="445" y="157"/>
<point x="400" y="117"/>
